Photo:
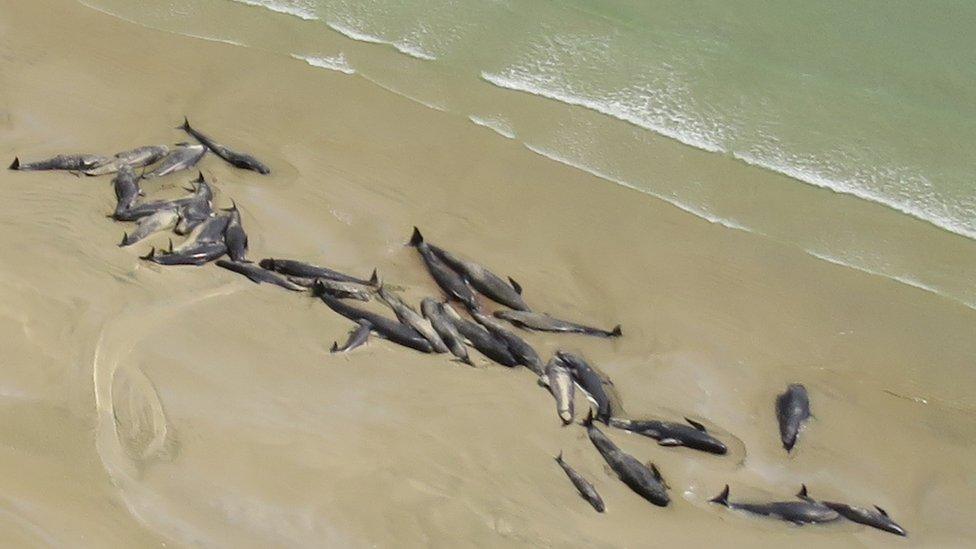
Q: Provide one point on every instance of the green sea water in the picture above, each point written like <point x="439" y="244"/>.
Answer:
<point x="842" y="128"/>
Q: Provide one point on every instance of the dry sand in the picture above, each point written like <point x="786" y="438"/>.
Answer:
<point x="187" y="406"/>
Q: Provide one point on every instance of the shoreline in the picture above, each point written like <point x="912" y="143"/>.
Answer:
<point x="866" y="234"/>
<point x="274" y="441"/>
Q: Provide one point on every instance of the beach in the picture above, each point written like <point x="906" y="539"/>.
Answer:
<point x="147" y="406"/>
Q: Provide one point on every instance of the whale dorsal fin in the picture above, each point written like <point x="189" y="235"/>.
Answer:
<point x="417" y="239"/>
<point x="802" y="494"/>
<point x="696" y="425"/>
<point x="657" y="475"/>
<point x="515" y="285"/>
<point x="882" y="511"/>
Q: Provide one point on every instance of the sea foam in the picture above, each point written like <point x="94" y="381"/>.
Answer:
<point x="334" y="63"/>
<point x="679" y="128"/>
<point x="401" y="46"/>
<point x="611" y="108"/>
<point x="138" y="23"/>
<point x="703" y="213"/>
<point x="906" y="280"/>
<point x="903" y="204"/>
<point x="428" y="104"/>
<point x="297" y="8"/>
<point x="497" y="125"/>
<point x="695" y="210"/>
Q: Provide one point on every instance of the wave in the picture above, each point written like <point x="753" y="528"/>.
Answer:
<point x="215" y="39"/>
<point x="428" y="104"/>
<point x="145" y="26"/>
<point x="610" y="108"/>
<point x="335" y="63"/>
<point x="497" y="125"/>
<point x="298" y="9"/>
<point x="621" y="111"/>
<point x="406" y="48"/>
<point x="703" y="213"/>
<point x="695" y="210"/>
<point x="811" y="177"/>
<point x="908" y="281"/>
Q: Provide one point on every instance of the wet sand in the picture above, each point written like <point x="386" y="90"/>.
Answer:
<point x="145" y="406"/>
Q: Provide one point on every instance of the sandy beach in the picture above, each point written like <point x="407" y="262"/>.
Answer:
<point x="147" y="406"/>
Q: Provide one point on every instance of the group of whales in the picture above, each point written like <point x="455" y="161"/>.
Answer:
<point x="438" y="327"/>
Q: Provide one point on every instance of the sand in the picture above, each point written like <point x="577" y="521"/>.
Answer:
<point x="148" y="406"/>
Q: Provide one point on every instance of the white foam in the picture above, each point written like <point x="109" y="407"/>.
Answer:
<point x="299" y="9"/>
<point x="607" y="107"/>
<point x="428" y="104"/>
<point x="497" y="125"/>
<point x="905" y="206"/>
<point x="907" y="280"/>
<point x="697" y="211"/>
<point x="406" y="48"/>
<point x="215" y="39"/>
<point x="335" y="63"/>
<point x="703" y="213"/>
<point x="414" y="50"/>
<point x="678" y="128"/>
<point x="143" y="25"/>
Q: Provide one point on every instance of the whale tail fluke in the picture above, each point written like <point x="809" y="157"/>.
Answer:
<point x="185" y="125"/>
<point x="318" y="289"/>
<point x="588" y="422"/>
<point x="723" y="498"/>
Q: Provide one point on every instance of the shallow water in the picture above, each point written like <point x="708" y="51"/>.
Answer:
<point x="191" y="407"/>
<point x="865" y="100"/>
